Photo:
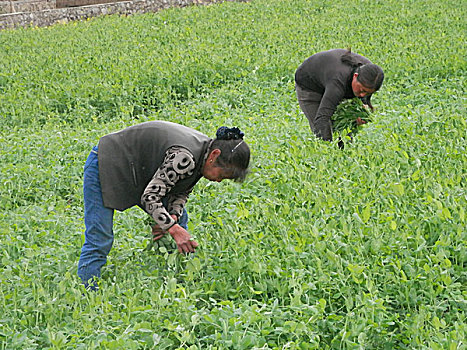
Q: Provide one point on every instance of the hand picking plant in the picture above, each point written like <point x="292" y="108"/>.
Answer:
<point x="346" y="116"/>
<point x="162" y="245"/>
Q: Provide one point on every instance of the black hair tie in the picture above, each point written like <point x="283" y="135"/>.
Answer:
<point x="225" y="133"/>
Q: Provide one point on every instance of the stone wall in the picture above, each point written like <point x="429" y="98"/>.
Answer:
<point x="49" y="16"/>
<point x="11" y="6"/>
<point x="75" y="3"/>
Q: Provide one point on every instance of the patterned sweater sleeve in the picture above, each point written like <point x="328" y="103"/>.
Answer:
<point x="176" y="203"/>
<point x="178" y="164"/>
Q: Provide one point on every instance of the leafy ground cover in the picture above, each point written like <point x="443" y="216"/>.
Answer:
<point x="321" y="248"/>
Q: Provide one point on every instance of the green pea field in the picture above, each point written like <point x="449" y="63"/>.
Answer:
<point x="320" y="248"/>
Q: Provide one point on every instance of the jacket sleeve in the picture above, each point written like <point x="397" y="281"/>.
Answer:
<point x="178" y="164"/>
<point x="177" y="202"/>
<point x="333" y="95"/>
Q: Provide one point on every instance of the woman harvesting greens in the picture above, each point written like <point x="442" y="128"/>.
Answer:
<point x="326" y="78"/>
<point x="153" y="165"/>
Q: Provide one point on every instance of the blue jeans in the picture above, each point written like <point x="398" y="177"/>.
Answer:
<point x="98" y="221"/>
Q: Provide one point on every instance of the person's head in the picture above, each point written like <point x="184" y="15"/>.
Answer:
<point x="367" y="79"/>
<point x="229" y="156"/>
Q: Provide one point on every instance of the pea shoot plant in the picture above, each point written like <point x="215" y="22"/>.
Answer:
<point x="320" y="248"/>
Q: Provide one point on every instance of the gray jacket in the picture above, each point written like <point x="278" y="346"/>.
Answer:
<point x="129" y="158"/>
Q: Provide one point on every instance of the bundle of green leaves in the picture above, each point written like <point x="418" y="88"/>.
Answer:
<point x="346" y="115"/>
<point x="162" y="245"/>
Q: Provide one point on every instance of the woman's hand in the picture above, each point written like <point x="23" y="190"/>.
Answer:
<point x="360" y="121"/>
<point x="157" y="232"/>
<point x="185" y="243"/>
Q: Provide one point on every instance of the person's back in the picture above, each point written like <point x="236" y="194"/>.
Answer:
<point x="132" y="155"/>
<point x="321" y="68"/>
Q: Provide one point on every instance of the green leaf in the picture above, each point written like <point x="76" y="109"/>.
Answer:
<point x="366" y="213"/>
<point x="398" y="189"/>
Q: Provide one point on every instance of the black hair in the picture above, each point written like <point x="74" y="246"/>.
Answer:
<point x="370" y="75"/>
<point x="235" y="153"/>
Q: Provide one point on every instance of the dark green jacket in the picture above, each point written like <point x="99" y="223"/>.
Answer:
<point x="129" y="158"/>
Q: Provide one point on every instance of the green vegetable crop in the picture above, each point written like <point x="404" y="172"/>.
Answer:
<point x="320" y="248"/>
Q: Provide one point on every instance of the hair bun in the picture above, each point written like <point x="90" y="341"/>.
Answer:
<point x="225" y="133"/>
